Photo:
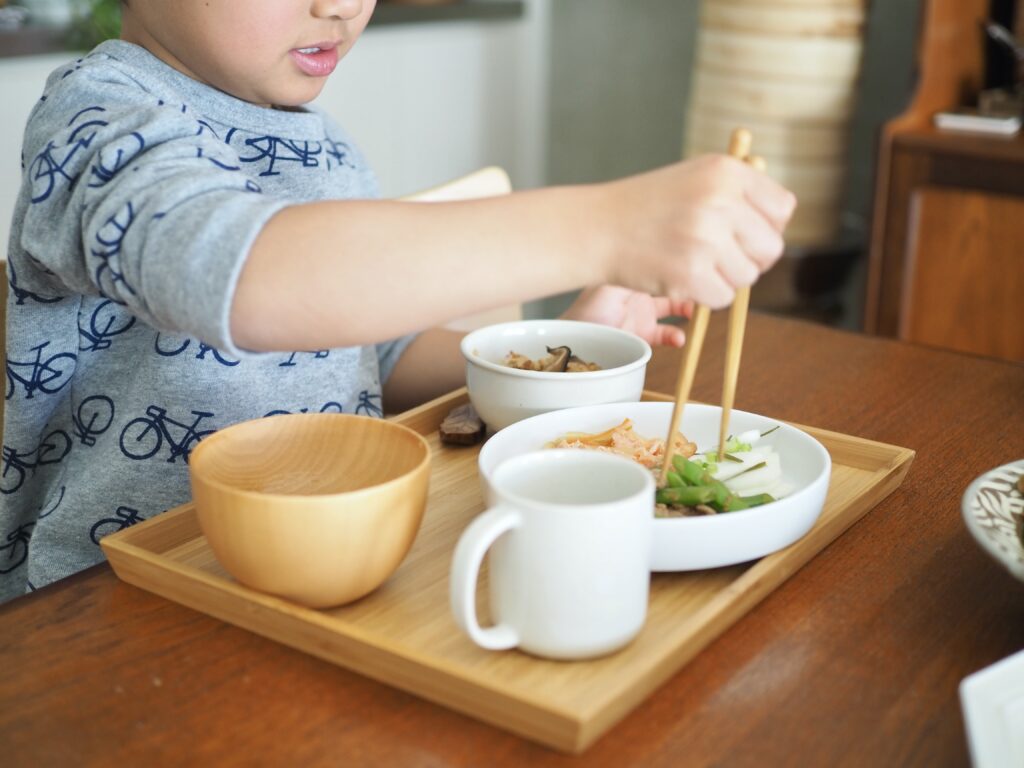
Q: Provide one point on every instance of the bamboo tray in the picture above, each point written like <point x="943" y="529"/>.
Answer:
<point x="403" y="634"/>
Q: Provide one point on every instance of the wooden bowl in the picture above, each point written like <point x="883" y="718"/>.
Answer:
<point x="316" y="508"/>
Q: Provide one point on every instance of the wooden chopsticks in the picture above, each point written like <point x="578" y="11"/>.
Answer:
<point x="739" y="147"/>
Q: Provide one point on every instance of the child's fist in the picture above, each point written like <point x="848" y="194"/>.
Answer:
<point x="697" y="230"/>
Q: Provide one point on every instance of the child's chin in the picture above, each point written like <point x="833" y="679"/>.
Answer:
<point x="290" y="95"/>
<point x="296" y="97"/>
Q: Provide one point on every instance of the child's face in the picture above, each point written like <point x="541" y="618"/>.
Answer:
<point x="270" y="52"/>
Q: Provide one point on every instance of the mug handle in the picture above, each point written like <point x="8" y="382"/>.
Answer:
<point x="469" y="554"/>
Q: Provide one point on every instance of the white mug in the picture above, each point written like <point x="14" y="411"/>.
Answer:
<point x="570" y="533"/>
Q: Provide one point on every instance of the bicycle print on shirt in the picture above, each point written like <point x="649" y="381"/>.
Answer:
<point x="20" y="293"/>
<point x="94" y="417"/>
<point x="167" y="348"/>
<point x="14" y="552"/>
<point x="144" y="436"/>
<point x="51" y="450"/>
<point x="108" y="320"/>
<point x="47" y="375"/>
<point x="57" y="164"/>
<point x="124" y="517"/>
<point x="109" y="238"/>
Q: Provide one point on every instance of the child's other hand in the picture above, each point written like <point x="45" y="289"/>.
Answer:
<point x="697" y="230"/>
<point x="631" y="311"/>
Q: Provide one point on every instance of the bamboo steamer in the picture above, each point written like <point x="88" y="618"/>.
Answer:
<point x="742" y="95"/>
<point x="788" y="71"/>
<point x="751" y="54"/>
<point x="778" y="141"/>
<point x="784" y="19"/>
<point x="796" y="3"/>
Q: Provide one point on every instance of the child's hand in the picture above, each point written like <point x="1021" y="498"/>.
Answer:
<point x="696" y="230"/>
<point x="631" y="311"/>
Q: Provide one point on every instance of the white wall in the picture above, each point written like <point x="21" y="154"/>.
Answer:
<point x="426" y="102"/>
<point x="429" y="102"/>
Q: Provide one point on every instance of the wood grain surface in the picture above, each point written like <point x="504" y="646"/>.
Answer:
<point x="853" y="661"/>
<point x="964" y="251"/>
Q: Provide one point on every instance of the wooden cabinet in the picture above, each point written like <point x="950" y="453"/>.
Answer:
<point x="947" y="253"/>
<point x="964" y="272"/>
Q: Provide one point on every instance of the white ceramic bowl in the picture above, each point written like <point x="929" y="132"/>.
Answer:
<point x="692" y="543"/>
<point x="503" y="395"/>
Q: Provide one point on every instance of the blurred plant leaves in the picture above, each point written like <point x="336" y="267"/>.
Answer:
<point x="101" y="22"/>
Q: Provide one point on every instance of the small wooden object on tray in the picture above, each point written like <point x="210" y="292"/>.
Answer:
<point x="462" y="426"/>
<point x="403" y="634"/>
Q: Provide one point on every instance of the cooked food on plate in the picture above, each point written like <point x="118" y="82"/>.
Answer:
<point x="559" y="359"/>
<point x="741" y="476"/>
<point x="624" y="440"/>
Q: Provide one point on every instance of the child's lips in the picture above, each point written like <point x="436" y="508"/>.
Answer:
<point x="316" y="60"/>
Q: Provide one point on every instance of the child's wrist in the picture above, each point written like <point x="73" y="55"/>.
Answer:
<point x="598" y="246"/>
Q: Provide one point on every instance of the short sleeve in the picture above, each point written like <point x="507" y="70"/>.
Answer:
<point x="388" y="353"/>
<point x="141" y="203"/>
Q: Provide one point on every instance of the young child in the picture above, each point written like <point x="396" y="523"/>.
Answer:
<point x="193" y="247"/>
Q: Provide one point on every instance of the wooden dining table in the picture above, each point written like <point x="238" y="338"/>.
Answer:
<point x="855" y="660"/>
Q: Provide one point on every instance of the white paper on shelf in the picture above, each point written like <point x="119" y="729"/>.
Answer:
<point x="971" y="120"/>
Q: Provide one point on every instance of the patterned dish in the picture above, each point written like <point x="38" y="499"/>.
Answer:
<point x="993" y="509"/>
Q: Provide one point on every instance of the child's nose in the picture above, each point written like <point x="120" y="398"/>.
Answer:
<point x="343" y="9"/>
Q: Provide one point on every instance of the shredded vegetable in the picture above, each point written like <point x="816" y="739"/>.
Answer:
<point x="744" y="474"/>
<point x="625" y="441"/>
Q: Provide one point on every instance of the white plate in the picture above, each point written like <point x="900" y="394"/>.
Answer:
<point x="693" y="543"/>
<point x="993" y="508"/>
<point x="993" y="705"/>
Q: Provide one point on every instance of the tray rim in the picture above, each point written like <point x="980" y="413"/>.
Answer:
<point x="571" y="730"/>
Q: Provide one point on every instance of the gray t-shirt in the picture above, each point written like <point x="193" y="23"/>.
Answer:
<point x="142" y="193"/>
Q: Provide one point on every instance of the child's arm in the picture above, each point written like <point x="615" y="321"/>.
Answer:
<point x="429" y="367"/>
<point x="343" y="273"/>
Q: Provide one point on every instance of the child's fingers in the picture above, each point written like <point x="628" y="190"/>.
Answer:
<point x="666" y="307"/>
<point x="735" y="265"/>
<point x="717" y="294"/>
<point x="710" y="284"/>
<point x="667" y="335"/>
<point x="775" y="202"/>
<point x="758" y="239"/>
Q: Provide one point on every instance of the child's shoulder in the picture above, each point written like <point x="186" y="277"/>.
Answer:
<point x="94" y="79"/>
<point x="100" y="69"/>
<point x="115" y="84"/>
